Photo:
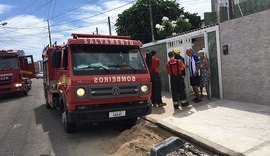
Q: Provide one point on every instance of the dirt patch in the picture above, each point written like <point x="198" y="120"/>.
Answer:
<point x="136" y="141"/>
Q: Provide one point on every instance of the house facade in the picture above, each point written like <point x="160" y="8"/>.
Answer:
<point x="238" y="52"/>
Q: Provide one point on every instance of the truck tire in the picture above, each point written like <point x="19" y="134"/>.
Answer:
<point x="25" y="93"/>
<point x="68" y="126"/>
<point x="130" y="122"/>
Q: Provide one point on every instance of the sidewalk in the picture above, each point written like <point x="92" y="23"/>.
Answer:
<point x="230" y="127"/>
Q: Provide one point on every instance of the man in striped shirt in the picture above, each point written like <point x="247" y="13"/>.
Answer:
<point x="194" y="73"/>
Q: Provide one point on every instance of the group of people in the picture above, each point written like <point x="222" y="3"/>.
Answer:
<point x="198" y="68"/>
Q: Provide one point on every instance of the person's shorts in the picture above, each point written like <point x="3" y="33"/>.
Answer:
<point x="195" y="80"/>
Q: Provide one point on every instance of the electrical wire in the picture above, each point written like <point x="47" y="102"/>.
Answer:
<point x="73" y="20"/>
<point x="48" y="13"/>
<point x="31" y="12"/>
<point x="93" y="15"/>
<point x="54" y="6"/>
<point x="70" y="9"/>
<point x="32" y="3"/>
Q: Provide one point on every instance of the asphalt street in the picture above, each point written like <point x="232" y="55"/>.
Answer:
<point x="27" y="128"/>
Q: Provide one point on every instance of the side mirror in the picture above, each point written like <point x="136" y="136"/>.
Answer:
<point x="148" y="59"/>
<point x="56" y="59"/>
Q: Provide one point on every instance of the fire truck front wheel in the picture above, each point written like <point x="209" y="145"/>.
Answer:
<point x="68" y="126"/>
<point x="25" y="93"/>
<point x="131" y="122"/>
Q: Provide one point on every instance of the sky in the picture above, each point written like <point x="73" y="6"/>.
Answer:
<point x="27" y="26"/>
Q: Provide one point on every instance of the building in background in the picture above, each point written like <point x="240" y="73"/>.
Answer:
<point x="222" y="10"/>
<point x="39" y="66"/>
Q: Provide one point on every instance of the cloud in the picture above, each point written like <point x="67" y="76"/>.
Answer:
<point x="196" y="6"/>
<point x="30" y="33"/>
<point x="5" y="8"/>
<point x="92" y="16"/>
<point x="91" y="8"/>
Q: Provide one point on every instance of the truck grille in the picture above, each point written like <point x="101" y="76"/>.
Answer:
<point x="114" y="91"/>
<point x="5" y="89"/>
<point x="5" y="82"/>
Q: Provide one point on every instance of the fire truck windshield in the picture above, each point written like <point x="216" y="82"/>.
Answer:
<point x="100" y="60"/>
<point x="8" y="63"/>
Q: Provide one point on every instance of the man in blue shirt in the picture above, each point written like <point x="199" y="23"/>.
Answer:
<point x="194" y="73"/>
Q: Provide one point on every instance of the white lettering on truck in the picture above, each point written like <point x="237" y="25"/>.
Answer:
<point x="109" y="79"/>
<point x="108" y="41"/>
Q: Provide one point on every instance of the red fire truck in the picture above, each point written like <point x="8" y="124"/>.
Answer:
<point x="96" y="78"/>
<point x="16" y="72"/>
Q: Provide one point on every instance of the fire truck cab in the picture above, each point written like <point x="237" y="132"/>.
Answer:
<point x="97" y="78"/>
<point x="16" y="71"/>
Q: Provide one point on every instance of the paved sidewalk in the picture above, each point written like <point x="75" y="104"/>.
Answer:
<point x="231" y="127"/>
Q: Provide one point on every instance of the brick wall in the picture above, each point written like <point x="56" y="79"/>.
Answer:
<point x="246" y="69"/>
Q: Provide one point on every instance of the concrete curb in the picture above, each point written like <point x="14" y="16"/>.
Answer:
<point x="195" y="139"/>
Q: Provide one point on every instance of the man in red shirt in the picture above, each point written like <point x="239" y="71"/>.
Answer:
<point x="156" y="81"/>
<point x="174" y="68"/>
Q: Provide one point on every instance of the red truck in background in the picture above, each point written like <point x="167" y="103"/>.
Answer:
<point x="16" y="71"/>
<point x="97" y="78"/>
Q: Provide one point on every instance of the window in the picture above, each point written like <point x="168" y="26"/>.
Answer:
<point x="92" y="60"/>
<point x="8" y="63"/>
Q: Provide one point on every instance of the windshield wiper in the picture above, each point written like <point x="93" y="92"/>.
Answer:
<point x="123" y="65"/>
<point x="95" y="66"/>
<point x="6" y="68"/>
<point x="134" y="70"/>
<point x="101" y="67"/>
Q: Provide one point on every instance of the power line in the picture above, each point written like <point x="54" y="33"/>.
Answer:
<point x="54" y="25"/>
<point x="70" y="9"/>
<point x="31" y="12"/>
<point x="49" y="10"/>
<point x="93" y="15"/>
<point x="33" y="2"/>
<point x="54" y="8"/>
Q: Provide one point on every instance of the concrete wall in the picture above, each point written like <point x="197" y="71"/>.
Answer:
<point x="246" y="69"/>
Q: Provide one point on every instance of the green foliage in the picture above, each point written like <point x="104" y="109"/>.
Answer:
<point x="168" y="27"/>
<point x="135" y="21"/>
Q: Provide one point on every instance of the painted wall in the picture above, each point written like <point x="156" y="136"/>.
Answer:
<point x="246" y="68"/>
<point x="161" y="50"/>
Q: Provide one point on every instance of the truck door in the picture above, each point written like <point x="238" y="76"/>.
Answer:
<point x="27" y="66"/>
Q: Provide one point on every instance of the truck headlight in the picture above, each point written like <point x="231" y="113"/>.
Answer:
<point x="144" y="88"/>
<point x="18" y="85"/>
<point x="80" y="92"/>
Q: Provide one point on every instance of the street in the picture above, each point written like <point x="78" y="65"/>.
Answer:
<point x="28" y="128"/>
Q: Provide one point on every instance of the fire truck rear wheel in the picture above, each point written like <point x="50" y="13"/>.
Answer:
<point x="68" y="126"/>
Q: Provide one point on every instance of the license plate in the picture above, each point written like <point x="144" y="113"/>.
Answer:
<point x="117" y="114"/>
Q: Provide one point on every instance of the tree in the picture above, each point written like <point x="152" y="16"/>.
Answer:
<point x="135" y="21"/>
<point x="168" y="27"/>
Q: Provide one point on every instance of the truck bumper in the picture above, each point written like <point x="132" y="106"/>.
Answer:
<point x="11" y="89"/>
<point x="103" y="113"/>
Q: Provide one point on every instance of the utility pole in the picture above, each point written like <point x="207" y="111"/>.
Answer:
<point x="49" y="31"/>
<point x="151" y="21"/>
<point x="109" y="23"/>
<point x="218" y="10"/>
